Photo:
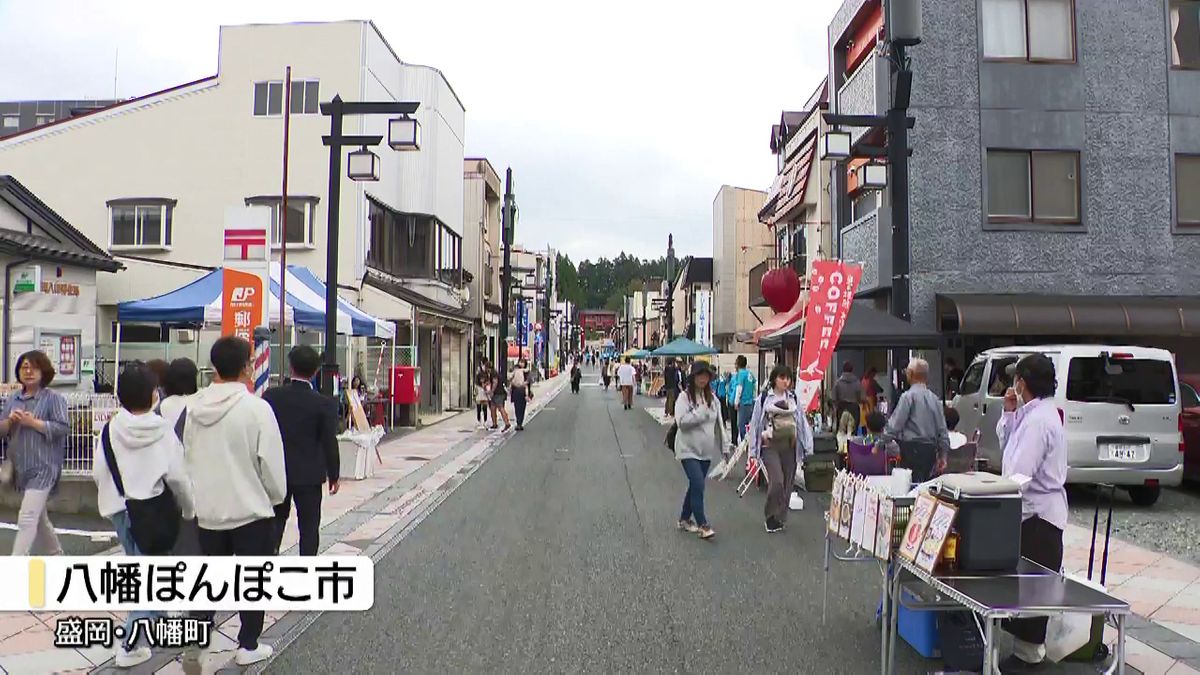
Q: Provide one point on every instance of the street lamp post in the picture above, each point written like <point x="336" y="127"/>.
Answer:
<point x="362" y="165"/>
<point x="546" y="319"/>
<point x="508" y="216"/>
<point x="670" y="287"/>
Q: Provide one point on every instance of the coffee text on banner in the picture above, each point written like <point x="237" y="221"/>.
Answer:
<point x="832" y="287"/>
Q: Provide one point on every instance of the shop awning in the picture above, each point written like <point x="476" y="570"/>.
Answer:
<point x="979" y="314"/>
<point x="867" y="328"/>
<point x="682" y="346"/>
<point x="782" y="322"/>
<point x="199" y="302"/>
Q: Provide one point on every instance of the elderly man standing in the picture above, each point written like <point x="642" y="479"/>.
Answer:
<point x="919" y="424"/>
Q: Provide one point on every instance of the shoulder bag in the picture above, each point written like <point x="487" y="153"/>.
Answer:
<point x="154" y="522"/>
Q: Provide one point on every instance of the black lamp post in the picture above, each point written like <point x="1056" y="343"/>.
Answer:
<point x="508" y="217"/>
<point x="670" y="287"/>
<point x="404" y="133"/>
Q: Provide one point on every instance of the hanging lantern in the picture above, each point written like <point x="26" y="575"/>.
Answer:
<point x="781" y="288"/>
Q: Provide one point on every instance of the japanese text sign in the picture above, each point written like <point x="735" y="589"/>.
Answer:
<point x="241" y="303"/>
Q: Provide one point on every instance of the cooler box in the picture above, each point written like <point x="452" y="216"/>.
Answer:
<point x="406" y="385"/>
<point x="988" y="520"/>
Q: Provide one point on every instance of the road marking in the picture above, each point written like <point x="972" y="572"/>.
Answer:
<point x="96" y="535"/>
<point x="563" y="450"/>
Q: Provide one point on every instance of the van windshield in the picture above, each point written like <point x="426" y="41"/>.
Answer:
<point x="1129" y="381"/>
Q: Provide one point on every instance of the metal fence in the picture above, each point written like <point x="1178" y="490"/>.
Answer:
<point x="87" y="413"/>
<point x="375" y="362"/>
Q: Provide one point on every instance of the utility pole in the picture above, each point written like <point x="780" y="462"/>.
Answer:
<point x="546" y="319"/>
<point x="670" y="287"/>
<point x="507" y="219"/>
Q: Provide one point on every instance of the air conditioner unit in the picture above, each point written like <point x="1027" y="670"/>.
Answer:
<point x="185" y="336"/>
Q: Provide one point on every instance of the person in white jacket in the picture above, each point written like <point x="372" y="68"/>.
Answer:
<point x="148" y="455"/>
<point x="234" y="456"/>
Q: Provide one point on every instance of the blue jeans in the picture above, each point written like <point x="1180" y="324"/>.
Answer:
<point x="693" y="501"/>
<point x="745" y="412"/>
<point x="120" y="521"/>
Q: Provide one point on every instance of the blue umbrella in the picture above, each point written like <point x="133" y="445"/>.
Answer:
<point x="682" y="346"/>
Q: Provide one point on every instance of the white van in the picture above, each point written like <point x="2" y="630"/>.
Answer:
<point x="1120" y="410"/>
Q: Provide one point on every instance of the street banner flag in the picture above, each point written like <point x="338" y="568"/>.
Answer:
<point x="832" y="287"/>
<point x="242" y="299"/>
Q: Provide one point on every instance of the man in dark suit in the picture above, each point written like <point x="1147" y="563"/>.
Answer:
<point x="308" y="424"/>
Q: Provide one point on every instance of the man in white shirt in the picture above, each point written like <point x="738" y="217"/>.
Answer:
<point x="626" y="374"/>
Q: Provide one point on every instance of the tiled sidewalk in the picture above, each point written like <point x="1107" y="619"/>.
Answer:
<point x="27" y="639"/>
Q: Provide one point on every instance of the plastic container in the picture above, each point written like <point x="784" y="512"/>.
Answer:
<point x="919" y="628"/>
<point x="988" y="521"/>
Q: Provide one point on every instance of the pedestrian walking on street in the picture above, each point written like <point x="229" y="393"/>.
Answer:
<point x="919" y="425"/>
<point x="146" y="462"/>
<point x="671" y="378"/>
<point x="35" y="422"/>
<point x="483" y="394"/>
<point x="499" y="399"/>
<point x="159" y="367"/>
<point x="521" y="387"/>
<point x="235" y="458"/>
<point x="606" y="373"/>
<point x="1031" y="433"/>
<point x="626" y="378"/>
<point x="576" y="376"/>
<point x="779" y="438"/>
<point x="699" y="441"/>
<point x="308" y="426"/>
<point x="178" y="388"/>
<point x="848" y="396"/>
<point x="745" y="387"/>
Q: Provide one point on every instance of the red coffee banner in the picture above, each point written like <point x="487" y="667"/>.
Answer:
<point x="832" y="286"/>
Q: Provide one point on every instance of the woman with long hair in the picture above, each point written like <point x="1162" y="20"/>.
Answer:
<point x="35" y="422"/>
<point x="698" y="441"/>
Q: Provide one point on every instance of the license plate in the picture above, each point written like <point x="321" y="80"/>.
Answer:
<point x="1127" y="453"/>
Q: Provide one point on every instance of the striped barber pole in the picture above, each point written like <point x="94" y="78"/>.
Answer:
<point x="262" y="365"/>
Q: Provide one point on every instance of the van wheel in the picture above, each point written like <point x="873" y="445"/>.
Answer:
<point x="1144" y="495"/>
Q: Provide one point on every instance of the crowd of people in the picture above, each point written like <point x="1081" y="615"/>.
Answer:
<point x="183" y="470"/>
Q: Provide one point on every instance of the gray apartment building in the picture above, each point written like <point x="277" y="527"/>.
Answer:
<point x="1055" y="176"/>
<point x="18" y="116"/>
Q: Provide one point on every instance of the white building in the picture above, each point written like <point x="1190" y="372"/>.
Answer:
<point x="740" y="243"/>
<point x="149" y="179"/>
<point x="481" y="251"/>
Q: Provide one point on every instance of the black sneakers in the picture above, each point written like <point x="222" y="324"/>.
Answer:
<point x="774" y="525"/>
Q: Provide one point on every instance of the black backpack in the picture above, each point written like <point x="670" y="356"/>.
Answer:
<point x="671" y="433"/>
<point x="154" y="522"/>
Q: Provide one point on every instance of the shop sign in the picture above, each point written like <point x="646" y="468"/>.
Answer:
<point x="60" y="288"/>
<point x="62" y="348"/>
<point x="704" y="318"/>
<point x="28" y="280"/>
<point x="832" y="287"/>
<point x="241" y="303"/>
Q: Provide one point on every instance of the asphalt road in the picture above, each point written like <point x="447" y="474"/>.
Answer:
<point x="561" y="555"/>
<point x="1171" y="526"/>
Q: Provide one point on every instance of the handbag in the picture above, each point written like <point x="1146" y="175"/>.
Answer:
<point x="153" y="522"/>
<point x="671" y="434"/>
<point x="8" y="473"/>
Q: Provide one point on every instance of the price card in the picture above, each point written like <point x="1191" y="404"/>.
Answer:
<point x="935" y="536"/>
<point x="847" y="508"/>
<point x="835" y="502"/>
<point x="922" y="510"/>
<point x="871" y="522"/>
<point x="883" y="531"/>
<point x="858" y="517"/>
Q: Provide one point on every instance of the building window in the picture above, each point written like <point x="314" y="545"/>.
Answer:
<point x="135" y="332"/>
<point x="268" y="97"/>
<point x="141" y="223"/>
<point x="782" y="254"/>
<point x="1029" y="30"/>
<point x="40" y="120"/>
<point x="1033" y="186"/>
<point x="299" y="225"/>
<point x="1187" y="189"/>
<point x="1185" y="33"/>
<point x="413" y="245"/>
<point x="866" y="203"/>
<point x="12" y="121"/>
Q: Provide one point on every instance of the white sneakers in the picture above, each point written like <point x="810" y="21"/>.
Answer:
<point x="130" y="659"/>
<point x="246" y="657"/>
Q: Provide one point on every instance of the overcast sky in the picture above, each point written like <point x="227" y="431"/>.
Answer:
<point x="620" y="120"/>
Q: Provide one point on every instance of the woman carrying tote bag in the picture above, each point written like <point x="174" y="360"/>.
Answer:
<point x="698" y="442"/>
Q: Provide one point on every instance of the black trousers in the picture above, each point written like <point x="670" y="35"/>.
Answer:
<point x="520" y="399"/>
<point x="1042" y="543"/>
<point x="252" y="539"/>
<point x="308" y="517"/>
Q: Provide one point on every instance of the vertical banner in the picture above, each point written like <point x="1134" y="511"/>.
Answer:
<point x="246" y="282"/>
<point x="831" y="293"/>
<point x="704" y="318"/>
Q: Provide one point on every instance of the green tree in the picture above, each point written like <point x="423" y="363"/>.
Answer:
<point x="568" y="284"/>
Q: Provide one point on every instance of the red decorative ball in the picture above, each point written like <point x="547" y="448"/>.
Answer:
<point x="781" y="288"/>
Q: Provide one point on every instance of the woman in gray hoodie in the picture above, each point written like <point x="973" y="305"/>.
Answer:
<point x="699" y="440"/>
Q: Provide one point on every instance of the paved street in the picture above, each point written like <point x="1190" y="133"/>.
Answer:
<point x="1172" y="526"/>
<point x="561" y="554"/>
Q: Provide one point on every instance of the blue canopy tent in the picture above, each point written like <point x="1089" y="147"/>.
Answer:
<point x="199" y="303"/>
<point x="682" y="346"/>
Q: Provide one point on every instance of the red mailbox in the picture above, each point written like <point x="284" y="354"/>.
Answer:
<point x="406" y="385"/>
